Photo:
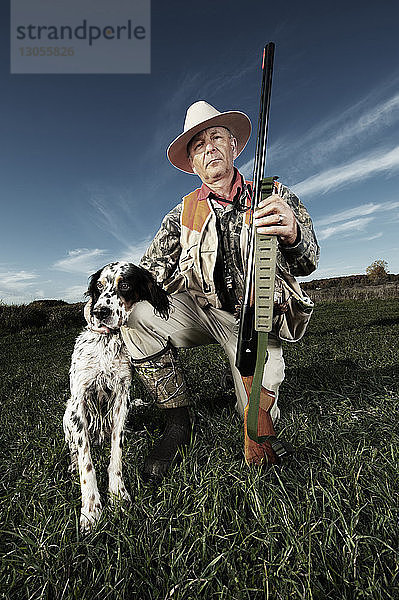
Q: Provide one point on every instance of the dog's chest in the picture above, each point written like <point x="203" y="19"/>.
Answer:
<point x="99" y="359"/>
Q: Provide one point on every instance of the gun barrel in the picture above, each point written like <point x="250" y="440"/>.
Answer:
<point x="263" y="121"/>
<point x="247" y="337"/>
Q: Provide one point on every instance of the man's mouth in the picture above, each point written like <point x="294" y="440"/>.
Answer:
<point x="212" y="161"/>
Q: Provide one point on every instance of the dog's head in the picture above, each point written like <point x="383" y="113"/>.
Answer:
<point x="116" y="287"/>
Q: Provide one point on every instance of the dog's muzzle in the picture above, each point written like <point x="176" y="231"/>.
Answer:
<point x="101" y="312"/>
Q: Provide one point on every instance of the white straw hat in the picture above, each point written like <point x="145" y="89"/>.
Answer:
<point x="202" y="115"/>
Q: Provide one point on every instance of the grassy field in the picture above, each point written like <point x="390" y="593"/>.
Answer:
<point x="322" y="526"/>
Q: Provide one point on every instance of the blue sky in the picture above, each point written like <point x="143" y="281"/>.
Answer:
<point x="84" y="175"/>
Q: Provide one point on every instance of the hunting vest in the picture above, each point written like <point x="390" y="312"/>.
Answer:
<point x="199" y="246"/>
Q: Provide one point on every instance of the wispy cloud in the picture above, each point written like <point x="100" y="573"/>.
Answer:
<point x="354" y="219"/>
<point x="17" y="287"/>
<point x="337" y="270"/>
<point x="374" y="162"/>
<point x="372" y="237"/>
<point x="113" y="210"/>
<point x="82" y="260"/>
<point x="357" y="211"/>
<point x="194" y="86"/>
<point x="349" y="126"/>
<point x="374" y="118"/>
<point x="17" y="281"/>
<point x="247" y="169"/>
<point x="86" y="261"/>
<point x="344" y="133"/>
<point x="344" y="228"/>
<point x="121" y="213"/>
<point x="74" y="293"/>
<point x="135" y="251"/>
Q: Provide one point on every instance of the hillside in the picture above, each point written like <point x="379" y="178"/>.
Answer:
<point x="352" y="287"/>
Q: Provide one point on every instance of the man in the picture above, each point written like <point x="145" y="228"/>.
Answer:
<point x="198" y="255"/>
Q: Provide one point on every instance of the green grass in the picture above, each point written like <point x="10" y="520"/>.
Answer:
<point x="322" y="526"/>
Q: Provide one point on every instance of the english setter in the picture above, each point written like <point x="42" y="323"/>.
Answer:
<point x="100" y="379"/>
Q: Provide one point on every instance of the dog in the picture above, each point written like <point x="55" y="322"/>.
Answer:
<point x="100" y="379"/>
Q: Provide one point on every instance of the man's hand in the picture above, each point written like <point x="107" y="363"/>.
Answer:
<point x="90" y="321"/>
<point x="274" y="216"/>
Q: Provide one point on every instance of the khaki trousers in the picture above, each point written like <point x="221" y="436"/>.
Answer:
<point x="147" y="335"/>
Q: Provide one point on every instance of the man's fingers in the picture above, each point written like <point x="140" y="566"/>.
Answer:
<point x="281" y="223"/>
<point x="282" y="232"/>
<point x="272" y="200"/>
<point x="274" y="219"/>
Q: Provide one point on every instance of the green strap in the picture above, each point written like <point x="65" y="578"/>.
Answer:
<point x="265" y="259"/>
<point x="254" y="397"/>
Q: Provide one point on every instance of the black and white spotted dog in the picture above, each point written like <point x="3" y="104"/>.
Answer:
<point x="100" y="378"/>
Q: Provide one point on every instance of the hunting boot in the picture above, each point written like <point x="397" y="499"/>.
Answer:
<point x="162" y="376"/>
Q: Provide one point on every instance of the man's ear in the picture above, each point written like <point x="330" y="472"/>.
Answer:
<point x="191" y="165"/>
<point x="234" y="146"/>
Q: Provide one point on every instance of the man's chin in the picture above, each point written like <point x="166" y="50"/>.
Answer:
<point x="215" y="170"/>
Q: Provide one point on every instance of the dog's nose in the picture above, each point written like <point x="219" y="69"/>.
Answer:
<point x="101" y="312"/>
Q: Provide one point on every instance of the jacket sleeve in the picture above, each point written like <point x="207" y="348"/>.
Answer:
<point x="162" y="256"/>
<point x="302" y="258"/>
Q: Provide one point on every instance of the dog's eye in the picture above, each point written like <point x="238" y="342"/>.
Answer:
<point x="99" y="285"/>
<point x="123" y="286"/>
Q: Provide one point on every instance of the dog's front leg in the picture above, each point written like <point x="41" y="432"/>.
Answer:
<point x="69" y="438"/>
<point x="91" y="501"/>
<point x="116" y="486"/>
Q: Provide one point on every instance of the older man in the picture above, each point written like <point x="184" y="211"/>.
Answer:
<point x="199" y="256"/>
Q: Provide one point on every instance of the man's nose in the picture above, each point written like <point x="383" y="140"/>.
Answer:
<point x="210" y="146"/>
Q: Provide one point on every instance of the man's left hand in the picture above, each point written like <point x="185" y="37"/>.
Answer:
<point x="275" y="217"/>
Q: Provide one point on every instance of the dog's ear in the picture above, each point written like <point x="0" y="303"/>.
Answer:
<point x="150" y="290"/>
<point x="92" y="290"/>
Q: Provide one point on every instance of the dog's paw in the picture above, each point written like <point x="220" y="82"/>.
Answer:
<point x="90" y="514"/>
<point x="118" y="492"/>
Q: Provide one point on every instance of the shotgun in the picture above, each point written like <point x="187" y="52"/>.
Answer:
<point x="257" y="308"/>
<point x="247" y="337"/>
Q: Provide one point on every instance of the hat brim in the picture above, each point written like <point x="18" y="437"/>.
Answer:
<point x="237" y="122"/>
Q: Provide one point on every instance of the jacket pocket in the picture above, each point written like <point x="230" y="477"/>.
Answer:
<point x="292" y="310"/>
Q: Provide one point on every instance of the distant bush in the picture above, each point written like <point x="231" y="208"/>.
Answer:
<point x="40" y="314"/>
<point x="15" y="318"/>
<point x="377" y="271"/>
<point x="350" y="281"/>
<point x="67" y="315"/>
<point x="48" y="303"/>
<point x="366" y="292"/>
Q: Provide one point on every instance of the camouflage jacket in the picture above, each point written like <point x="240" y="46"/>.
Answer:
<point x="184" y="259"/>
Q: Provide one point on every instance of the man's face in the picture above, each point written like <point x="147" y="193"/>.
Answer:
<point x="212" y="152"/>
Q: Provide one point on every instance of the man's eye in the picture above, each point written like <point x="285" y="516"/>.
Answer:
<point x="124" y="286"/>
